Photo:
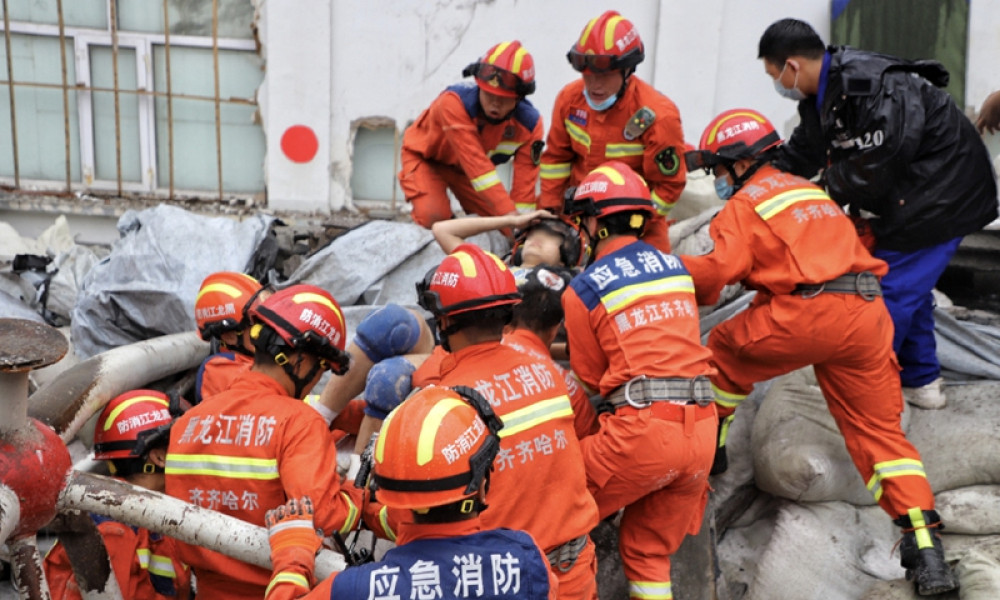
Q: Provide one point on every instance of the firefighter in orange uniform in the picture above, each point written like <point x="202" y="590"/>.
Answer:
<point x="220" y="311"/>
<point x="131" y="434"/>
<point x="459" y="140"/>
<point x="632" y="326"/>
<point x="432" y="461"/>
<point x="255" y="445"/>
<point x="611" y="114"/>
<point x="471" y="295"/>
<point x="818" y="303"/>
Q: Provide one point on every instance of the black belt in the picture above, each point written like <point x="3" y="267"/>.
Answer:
<point x="641" y="391"/>
<point x="864" y="284"/>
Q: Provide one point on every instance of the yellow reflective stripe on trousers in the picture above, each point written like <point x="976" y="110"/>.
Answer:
<point x="920" y="530"/>
<point x="577" y="134"/>
<point x="902" y="467"/>
<point x="232" y="467"/>
<point x="727" y="399"/>
<point x="620" y="150"/>
<point x="650" y="590"/>
<point x="534" y="415"/>
<point x="556" y="170"/>
<point x="352" y="515"/>
<point x="287" y="577"/>
<point x="630" y="294"/>
<point x="485" y="181"/>
<point x="769" y="208"/>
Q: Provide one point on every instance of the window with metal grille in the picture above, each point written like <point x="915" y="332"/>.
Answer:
<point x="152" y="98"/>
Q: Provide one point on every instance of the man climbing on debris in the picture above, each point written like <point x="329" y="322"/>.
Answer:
<point x="433" y="460"/>
<point x="632" y="328"/>
<point x="254" y="445"/>
<point x="457" y="142"/>
<point x="818" y="303"/>
<point x="612" y="114"/>
<point x="131" y="435"/>
<point x="897" y="149"/>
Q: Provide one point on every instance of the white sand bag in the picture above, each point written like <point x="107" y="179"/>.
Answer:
<point x="799" y="453"/>
<point x="973" y="510"/>
<point x="698" y="196"/>
<point x="831" y="550"/>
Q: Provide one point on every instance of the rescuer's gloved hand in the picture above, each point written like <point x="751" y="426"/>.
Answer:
<point x="294" y="542"/>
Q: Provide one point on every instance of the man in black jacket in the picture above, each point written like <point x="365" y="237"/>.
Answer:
<point x="894" y="147"/>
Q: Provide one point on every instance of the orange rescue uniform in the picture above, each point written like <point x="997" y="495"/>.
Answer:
<point x="145" y="564"/>
<point x="630" y="316"/>
<point x="250" y="449"/>
<point x="777" y="232"/>
<point x="581" y="139"/>
<point x="218" y="371"/>
<point x="539" y="463"/>
<point x="452" y="145"/>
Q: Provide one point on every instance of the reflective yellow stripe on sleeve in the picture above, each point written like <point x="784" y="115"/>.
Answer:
<point x="727" y="399"/>
<point x="505" y="148"/>
<point x="485" y="181"/>
<point x="622" y="150"/>
<point x="650" y="590"/>
<point x="352" y="515"/>
<point x="662" y="206"/>
<point x="630" y="294"/>
<point x="231" y="467"/>
<point x="383" y="518"/>
<point x="286" y="577"/>
<point x="902" y="467"/>
<point x="785" y="200"/>
<point x="531" y="416"/>
<point x="162" y="566"/>
<point x="556" y="170"/>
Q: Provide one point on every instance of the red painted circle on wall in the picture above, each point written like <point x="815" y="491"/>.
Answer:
<point x="299" y="144"/>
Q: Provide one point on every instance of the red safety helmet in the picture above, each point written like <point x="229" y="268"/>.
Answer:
<point x="305" y="318"/>
<point x="506" y="69"/>
<point x="731" y="136"/>
<point x="468" y="279"/>
<point x="131" y="423"/>
<point x="610" y="188"/>
<point x="435" y="448"/>
<point x="222" y="303"/>
<point x="609" y="42"/>
<point x="573" y="251"/>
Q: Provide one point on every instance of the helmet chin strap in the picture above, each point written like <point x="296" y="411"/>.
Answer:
<point x="300" y="382"/>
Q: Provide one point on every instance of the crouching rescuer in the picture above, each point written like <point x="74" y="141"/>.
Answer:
<point x="818" y="303"/>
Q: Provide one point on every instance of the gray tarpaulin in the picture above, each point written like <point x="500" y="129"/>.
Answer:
<point x="147" y="286"/>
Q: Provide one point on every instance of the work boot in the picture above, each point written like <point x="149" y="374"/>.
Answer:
<point x="721" y="462"/>
<point x="930" y="396"/>
<point x="922" y="555"/>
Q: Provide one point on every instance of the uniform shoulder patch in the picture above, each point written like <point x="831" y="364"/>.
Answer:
<point x="639" y="122"/>
<point x="668" y="162"/>
<point x="536" y="151"/>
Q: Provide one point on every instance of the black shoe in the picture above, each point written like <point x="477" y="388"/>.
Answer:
<point x="925" y="566"/>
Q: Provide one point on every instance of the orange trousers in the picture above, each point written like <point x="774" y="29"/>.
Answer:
<point x="425" y="185"/>
<point x="848" y="340"/>
<point x="654" y="465"/>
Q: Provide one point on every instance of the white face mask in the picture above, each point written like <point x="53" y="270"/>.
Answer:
<point x="793" y="93"/>
<point x="608" y="102"/>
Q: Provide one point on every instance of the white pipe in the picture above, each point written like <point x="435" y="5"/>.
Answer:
<point x="10" y="513"/>
<point x="13" y="401"/>
<point x="178" y="519"/>
<point x="83" y="390"/>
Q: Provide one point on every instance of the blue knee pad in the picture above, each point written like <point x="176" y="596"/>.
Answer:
<point x="389" y="383"/>
<point x="387" y="331"/>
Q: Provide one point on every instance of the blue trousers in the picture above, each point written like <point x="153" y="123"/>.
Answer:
<point x="907" y="289"/>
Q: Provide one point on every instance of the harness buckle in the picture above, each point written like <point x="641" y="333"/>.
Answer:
<point x="816" y="292"/>
<point x="859" y="286"/>
<point x="628" y="395"/>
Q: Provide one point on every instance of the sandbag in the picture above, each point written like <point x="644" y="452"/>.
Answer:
<point x="799" y="453"/>
<point x="974" y="510"/>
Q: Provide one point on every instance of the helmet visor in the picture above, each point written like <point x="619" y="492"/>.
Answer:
<point x="702" y="159"/>
<point x="495" y="76"/>
<point x="596" y="63"/>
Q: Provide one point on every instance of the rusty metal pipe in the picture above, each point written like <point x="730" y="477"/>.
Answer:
<point x="28" y="576"/>
<point x="178" y="519"/>
<point x="84" y="545"/>
<point x="10" y="513"/>
<point x="81" y="391"/>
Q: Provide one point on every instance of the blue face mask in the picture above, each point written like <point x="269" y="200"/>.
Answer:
<point x="792" y="93"/>
<point x="723" y="188"/>
<point x="603" y="105"/>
